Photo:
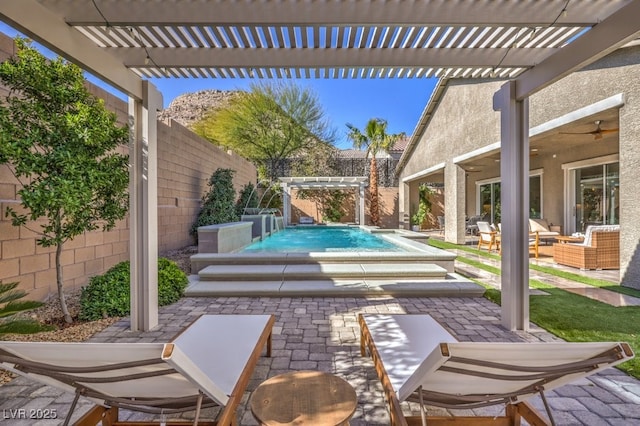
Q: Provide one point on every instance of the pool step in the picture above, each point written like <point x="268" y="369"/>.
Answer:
<point x="321" y="271"/>
<point x="451" y="285"/>
<point x="428" y="255"/>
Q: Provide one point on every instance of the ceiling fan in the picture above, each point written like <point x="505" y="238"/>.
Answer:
<point x="598" y="133"/>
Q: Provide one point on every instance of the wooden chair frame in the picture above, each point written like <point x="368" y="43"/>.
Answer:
<point x="515" y="408"/>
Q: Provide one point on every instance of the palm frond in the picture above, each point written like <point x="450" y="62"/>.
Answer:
<point x="13" y="308"/>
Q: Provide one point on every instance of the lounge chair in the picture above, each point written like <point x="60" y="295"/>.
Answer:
<point x="545" y="230"/>
<point x="306" y="220"/>
<point x="209" y="364"/>
<point x="534" y="241"/>
<point x="417" y="360"/>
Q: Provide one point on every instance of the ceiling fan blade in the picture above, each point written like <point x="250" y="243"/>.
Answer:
<point x="605" y="131"/>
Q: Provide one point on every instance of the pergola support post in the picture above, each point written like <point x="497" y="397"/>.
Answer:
<point x="143" y="210"/>
<point x="454" y="199"/>
<point x="514" y="172"/>
<point x="361" y="205"/>
<point x="286" y="203"/>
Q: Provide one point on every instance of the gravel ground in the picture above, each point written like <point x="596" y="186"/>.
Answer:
<point x="50" y="313"/>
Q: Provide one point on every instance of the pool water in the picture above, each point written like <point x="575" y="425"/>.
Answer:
<point x="321" y="239"/>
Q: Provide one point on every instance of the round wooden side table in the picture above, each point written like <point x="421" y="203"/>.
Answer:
<point x="304" y="398"/>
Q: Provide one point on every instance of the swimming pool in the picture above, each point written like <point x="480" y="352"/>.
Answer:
<point x="303" y="239"/>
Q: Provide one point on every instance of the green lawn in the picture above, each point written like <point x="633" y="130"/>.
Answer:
<point x="572" y="317"/>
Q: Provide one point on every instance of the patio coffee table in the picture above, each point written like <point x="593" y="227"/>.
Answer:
<point x="304" y="398"/>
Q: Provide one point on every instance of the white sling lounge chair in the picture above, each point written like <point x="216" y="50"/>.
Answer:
<point x="209" y="364"/>
<point x="418" y="360"/>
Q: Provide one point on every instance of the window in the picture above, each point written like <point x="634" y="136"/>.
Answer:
<point x="489" y="197"/>
<point x="597" y="195"/>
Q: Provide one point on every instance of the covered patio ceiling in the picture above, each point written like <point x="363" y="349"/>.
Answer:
<point x="553" y="139"/>
<point x="533" y="43"/>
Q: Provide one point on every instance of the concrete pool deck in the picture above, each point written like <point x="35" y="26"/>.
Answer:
<point x="322" y="334"/>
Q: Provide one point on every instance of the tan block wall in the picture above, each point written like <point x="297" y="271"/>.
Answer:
<point x="388" y="208"/>
<point x="300" y="207"/>
<point x="185" y="163"/>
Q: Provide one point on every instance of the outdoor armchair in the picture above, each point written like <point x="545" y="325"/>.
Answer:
<point x="208" y="365"/>
<point x="417" y="360"/>
<point x="471" y="225"/>
<point x="487" y="236"/>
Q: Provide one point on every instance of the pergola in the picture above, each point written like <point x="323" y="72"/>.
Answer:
<point x="334" y="182"/>
<point x="530" y="43"/>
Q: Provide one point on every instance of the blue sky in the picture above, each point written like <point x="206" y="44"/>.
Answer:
<point x="399" y="101"/>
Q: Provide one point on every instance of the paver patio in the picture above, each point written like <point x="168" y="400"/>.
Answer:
<point x="323" y="334"/>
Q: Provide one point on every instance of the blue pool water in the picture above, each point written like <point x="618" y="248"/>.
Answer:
<point x="319" y="239"/>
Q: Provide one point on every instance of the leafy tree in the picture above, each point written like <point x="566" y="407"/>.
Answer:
<point x="268" y="124"/>
<point x="60" y="141"/>
<point x="316" y="160"/>
<point x="373" y="139"/>
<point x="218" y="205"/>
<point x="10" y="305"/>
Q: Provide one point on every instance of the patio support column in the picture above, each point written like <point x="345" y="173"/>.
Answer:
<point x="454" y="202"/>
<point x="143" y="207"/>
<point x="286" y="203"/>
<point x="514" y="172"/>
<point x="362" y="203"/>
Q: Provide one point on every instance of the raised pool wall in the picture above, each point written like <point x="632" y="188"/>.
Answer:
<point x="224" y="237"/>
<point x="233" y="236"/>
<point x="225" y="240"/>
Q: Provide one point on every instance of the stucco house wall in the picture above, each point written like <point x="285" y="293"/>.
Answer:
<point x="464" y="121"/>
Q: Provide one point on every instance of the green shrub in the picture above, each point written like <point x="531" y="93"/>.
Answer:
<point x="108" y="295"/>
<point x="218" y="205"/>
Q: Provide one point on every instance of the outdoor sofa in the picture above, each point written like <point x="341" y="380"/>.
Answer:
<point x="599" y="250"/>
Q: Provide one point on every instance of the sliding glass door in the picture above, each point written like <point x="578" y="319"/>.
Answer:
<point x="489" y="198"/>
<point x="597" y="195"/>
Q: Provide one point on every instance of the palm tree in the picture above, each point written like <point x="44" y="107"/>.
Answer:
<point x="374" y="139"/>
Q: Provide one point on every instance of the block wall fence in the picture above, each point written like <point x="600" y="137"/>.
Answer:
<point x="387" y="206"/>
<point x="185" y="164"/>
